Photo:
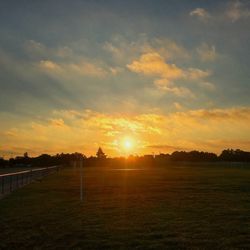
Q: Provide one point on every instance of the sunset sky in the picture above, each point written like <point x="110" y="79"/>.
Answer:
<point x="164" y="75"/>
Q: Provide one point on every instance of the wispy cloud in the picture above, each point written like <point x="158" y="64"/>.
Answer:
<point x="124" y="51"/>
<point x="38" y="49"/>
<point x="83" y="68"/>
<point x="201" y="14"/>
<point x="207" y="53"/>
<point x="63" y="61"/>
<point x="237" y="10"/>
<point x="233" y="11"/>
<point x="58" y="123"/>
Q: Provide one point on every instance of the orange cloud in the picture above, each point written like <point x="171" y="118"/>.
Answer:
<point x="58" y="123"/>
<point x="49" y="65"/>
<point x="153" y="64"/>
<point x="11" y="132"/>
<point x="210" y="130"/>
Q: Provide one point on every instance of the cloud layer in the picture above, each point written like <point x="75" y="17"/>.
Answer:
<point x="70" y="130"/>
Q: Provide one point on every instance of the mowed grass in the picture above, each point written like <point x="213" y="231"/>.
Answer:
<point x="172" y="207"/>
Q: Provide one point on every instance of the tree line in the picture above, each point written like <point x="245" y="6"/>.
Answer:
<point x="227" y="155"/>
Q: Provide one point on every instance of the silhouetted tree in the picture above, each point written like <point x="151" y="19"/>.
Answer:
<point x="193" y="156"/>
<point x="234" y="155"/>
<point x="3" y="162"/>
<point x="100" y="154"/>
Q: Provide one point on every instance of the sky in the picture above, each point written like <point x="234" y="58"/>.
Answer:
<point x="163" y="75"/>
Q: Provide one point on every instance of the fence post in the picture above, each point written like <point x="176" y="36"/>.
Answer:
<point x="2" y="184"/>
<point x="81" y="185"/>
<point x="10" y="183"/>
<point x="31" y="175"/>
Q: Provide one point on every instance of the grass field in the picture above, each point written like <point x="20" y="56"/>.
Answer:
<point x="174" y="207"/>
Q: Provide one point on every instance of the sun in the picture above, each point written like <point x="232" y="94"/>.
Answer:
<point x="128" y="144"/>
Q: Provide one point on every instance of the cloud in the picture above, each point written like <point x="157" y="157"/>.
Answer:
<point x="233" y="11"/>
<point x="83" y="68"/>
<point x="49" y="65"/>
<point x="177" y="106"/>
<point x="196" y="74"/>
<point x="87" y="69"/>
<point x="124" y="51"/>
<point x="240" y="114"/>
<point x="58" y="123"/>
<point x="178" y="91"/>
<point x="167" y="48"/>
<point x="153" y="64"/>
<point x="63" y="62"/>
<point x="237" y="10"/>
<point x="115" y="70"/>
<point x="11" y="132"/>
<point x="207" y="53"/>
<point x="34" y="47"/>
<point x="84" y="131"/>
<point x="115" y="51"/>
<point x="200" y="13"/>
<point x="38" y="49"/>
<point x="207" y="85"/>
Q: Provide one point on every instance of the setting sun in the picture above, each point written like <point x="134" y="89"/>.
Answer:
<point x="128" y="144"/>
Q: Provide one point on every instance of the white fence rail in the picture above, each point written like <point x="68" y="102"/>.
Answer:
<point x="12" y="181"/>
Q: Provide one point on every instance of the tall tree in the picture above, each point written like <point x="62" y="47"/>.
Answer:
<point x="100" y="154"/>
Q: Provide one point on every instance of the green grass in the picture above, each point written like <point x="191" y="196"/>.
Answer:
<point x="151" y="208"/>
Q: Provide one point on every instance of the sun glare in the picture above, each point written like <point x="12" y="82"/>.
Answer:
<point x="127" y="144"/>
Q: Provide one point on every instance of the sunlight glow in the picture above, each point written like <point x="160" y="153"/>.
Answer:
<point x="128" y="144"/>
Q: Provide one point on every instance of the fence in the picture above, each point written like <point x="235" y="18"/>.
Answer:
<point x="10" y="182"/>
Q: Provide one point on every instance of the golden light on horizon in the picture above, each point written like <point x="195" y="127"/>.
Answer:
<point x="128" y="144"/>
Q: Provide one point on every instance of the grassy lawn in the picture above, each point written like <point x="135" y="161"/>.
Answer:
<point x="174" y="207"/>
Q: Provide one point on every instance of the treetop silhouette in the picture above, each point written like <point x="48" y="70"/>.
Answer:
<point x="100" y="154"/>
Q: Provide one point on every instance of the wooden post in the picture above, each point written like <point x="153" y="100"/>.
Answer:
<point x="31" y="175"/>
<point x="81" y="180"/>
<point x="10" y="183"/>
<point x="2" y="184"/>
